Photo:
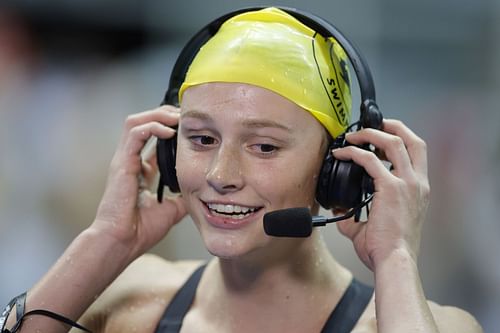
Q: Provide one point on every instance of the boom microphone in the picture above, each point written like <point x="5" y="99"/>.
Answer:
<point x="291" y="222"/>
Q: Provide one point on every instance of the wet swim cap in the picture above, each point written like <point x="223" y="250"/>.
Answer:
<point x="271" y="49"/>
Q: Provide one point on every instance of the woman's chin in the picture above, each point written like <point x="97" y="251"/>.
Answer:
<point x="224" y="247"/>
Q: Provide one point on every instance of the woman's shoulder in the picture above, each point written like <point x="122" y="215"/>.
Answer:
<point x="139" y="295"/>
<point x="150" y="271"/>
<point x="453" y="319"/>
<point x="448" y="319"/>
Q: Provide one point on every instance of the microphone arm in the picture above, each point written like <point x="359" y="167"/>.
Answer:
<point x="320" y="220"/>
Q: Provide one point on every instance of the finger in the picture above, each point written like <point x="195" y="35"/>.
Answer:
<point x="416" y="147"/>
<point x="173" y="204"/>
<point x="143" y="186"/>
<point x="162" y="216"/>
<point x="167" y="115"/>
<point x="139" y="135"/>
<point x="149" y="162"/>
<point x="391" y="145"/>
<point x="149" y="175"/>
<point x="180" y="205"/>
<point x="148" y="153"/>
<point x="366" y="159"/>
<point x="349" y="228"/>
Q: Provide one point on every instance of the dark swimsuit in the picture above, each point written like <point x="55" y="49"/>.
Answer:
<point x="341" y="320"/>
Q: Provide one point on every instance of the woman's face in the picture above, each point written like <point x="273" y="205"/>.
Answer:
<point x="244" y="151"/>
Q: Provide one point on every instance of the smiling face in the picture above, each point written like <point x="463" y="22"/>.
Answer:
<point x="244" y="151"/>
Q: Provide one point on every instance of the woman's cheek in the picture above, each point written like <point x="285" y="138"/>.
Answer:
<point x="288" y="186"/>
<point x="190" y="166"/>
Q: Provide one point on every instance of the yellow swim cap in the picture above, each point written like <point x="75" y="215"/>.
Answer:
<point x="271" y="49"/>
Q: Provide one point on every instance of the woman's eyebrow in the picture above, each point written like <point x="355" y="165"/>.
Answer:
<point x="249" y="123"/>
<point x="263" y="123"/>
<point x="196" y="114"/>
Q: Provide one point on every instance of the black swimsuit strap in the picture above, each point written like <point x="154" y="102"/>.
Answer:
<point x="342" y="319"/>
<point x="173" y="316"/>
<point x="352" y="304"/>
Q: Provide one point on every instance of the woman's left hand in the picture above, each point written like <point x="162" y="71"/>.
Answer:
<point x="401" y="194"/>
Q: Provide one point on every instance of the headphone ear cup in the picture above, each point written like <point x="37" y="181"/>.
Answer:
<point x="346" y="191"/>
<point x="166" y="150"/>
<point x="340" y="183"/>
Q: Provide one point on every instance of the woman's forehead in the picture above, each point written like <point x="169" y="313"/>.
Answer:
<point x="217" y="91"/>
<point x="243" y="100"/>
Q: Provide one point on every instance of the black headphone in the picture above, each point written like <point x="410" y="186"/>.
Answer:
<point x="341" y="184"/>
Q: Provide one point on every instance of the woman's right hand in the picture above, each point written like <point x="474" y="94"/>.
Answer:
<point x="129" y="213"/>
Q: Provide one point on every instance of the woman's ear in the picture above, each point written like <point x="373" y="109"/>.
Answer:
<point x="315" y="208"/>
<point x="339" y="211"/>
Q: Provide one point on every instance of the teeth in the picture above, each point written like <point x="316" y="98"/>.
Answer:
<point x="230" y="209"/>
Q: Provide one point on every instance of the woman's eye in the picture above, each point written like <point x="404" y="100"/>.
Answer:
<point x="203" y="140"/>
<point x="265" y="148"/>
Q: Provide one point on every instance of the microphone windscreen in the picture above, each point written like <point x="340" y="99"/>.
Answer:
<point x="291" y="222"/>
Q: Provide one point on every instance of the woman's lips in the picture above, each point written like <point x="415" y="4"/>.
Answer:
<point x="230" y="216"/>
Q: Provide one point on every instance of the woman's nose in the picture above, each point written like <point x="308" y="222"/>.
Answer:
<point x="225" y="173"/>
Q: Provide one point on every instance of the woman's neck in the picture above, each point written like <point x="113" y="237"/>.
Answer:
<point x="303" y="279"/>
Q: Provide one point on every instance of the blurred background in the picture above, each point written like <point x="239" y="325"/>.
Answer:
<point x="71" y="71"/>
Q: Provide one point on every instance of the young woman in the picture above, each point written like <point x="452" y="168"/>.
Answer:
<point x="248" y="144"/>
